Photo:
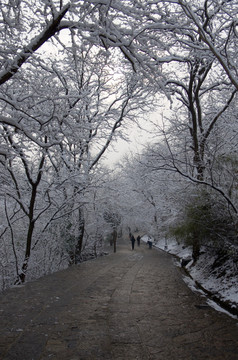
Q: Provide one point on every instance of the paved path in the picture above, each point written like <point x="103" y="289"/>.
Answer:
<point x="129" y="305"/>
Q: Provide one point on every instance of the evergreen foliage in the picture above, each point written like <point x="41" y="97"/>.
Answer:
<point x="206" y="221"/>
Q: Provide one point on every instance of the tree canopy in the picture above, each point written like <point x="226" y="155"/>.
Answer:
<point x="74" y="76"/>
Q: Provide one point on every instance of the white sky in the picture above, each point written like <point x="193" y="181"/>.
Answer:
<point x="138" y="138"/>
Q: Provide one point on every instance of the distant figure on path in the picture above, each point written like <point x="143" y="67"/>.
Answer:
<point x="149" y="242"/>
<point x="132" y="241"/>
<point x="138" y="240"/>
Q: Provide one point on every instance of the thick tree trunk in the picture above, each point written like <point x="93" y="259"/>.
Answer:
<point x="196" y="248"/>
<point x="22" y="274"/>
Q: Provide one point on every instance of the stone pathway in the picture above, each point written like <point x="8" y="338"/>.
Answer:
<point x="129" y="305"/>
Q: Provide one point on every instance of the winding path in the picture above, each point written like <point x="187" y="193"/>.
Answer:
<point x="129" y="305"/>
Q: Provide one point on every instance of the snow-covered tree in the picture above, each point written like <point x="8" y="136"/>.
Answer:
<point x="72" y="73"/>
<point x="62" y="112"/>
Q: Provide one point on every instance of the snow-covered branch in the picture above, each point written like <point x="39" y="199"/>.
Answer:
<point x="18" y="126"/>
<point x="33" y="46"/>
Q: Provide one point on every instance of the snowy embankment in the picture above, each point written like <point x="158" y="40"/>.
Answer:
<point x="216" y="277"/>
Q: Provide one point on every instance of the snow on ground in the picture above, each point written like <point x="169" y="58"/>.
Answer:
<point x="219" y="279"/>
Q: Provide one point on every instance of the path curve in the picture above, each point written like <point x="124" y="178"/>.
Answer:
<point x="132" y="305"/>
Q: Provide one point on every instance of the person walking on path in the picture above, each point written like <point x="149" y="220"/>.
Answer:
<point x="132" y="241"/>
<point x="138" y="240"/>
<point x="149" y="242"/>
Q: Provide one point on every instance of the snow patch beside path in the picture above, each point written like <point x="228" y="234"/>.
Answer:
<point x="219" y="281"/>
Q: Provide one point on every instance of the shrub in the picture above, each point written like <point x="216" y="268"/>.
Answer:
<point x="206" y="221"/>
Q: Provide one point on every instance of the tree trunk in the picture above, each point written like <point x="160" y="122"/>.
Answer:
<point x="22" y="275"/>
<point x="79" y="245"/>
<point x="114" y="234"/>
<point x="196" y="248"/>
